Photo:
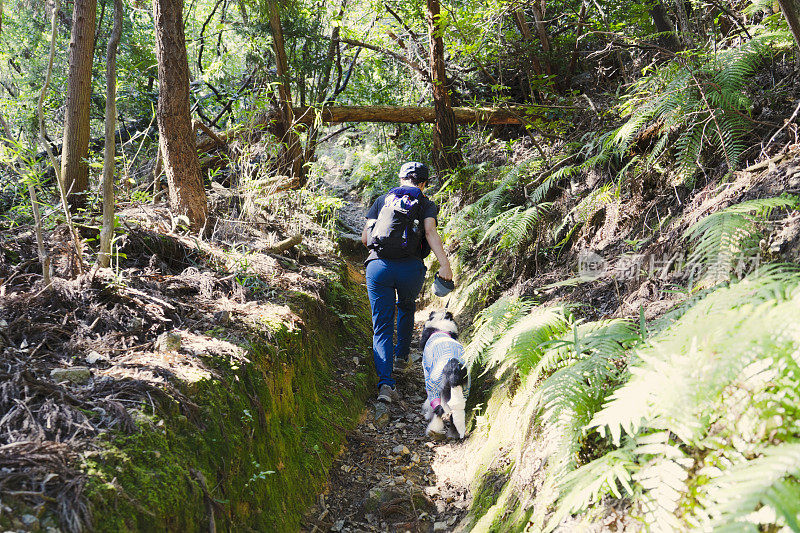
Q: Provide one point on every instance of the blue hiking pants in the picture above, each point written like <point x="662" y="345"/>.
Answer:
<point x="390" y="283"/>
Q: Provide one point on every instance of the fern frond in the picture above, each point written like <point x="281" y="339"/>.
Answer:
<point x="732" y="498"/>
<point x="477" y="290"/>
<point x="729" y="234"/>
<point x="514" y="225"/>
<point x="490" y="323"/>
<point x="524" y="343"/>
<point x="591" y="482"/>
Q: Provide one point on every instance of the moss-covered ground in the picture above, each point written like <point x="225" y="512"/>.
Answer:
<point x="250" y="448"/>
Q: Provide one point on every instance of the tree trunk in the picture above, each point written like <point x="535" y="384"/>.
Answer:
<point x="791" y="10"/>
<point x="107" y="231"/>
<point x="527" y="38"/>
<point x="186" y="193"/>
<point x="291" y="159"/>
<point x="663" y="26"/>
<point x="74" y="169"/>
<point x="446" y="155"/>
<point x="538" y="17"/>
<point x="243" y="11"/>
<point x="43" y="140"/>
<point x="573" y="60"/>
<point x="321" y="96"/>
<point x="684" y="27"/>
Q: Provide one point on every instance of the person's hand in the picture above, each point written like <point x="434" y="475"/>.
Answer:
<point x="445" y="273"/>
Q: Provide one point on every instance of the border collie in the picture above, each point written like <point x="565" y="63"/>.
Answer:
<point x="446" y="378"/>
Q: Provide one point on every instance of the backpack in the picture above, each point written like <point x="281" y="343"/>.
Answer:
<point x="397" y="232"/>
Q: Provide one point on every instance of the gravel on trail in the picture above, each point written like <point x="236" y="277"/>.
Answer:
<point x="390" y="476"/>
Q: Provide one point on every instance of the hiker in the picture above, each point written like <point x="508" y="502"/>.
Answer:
<point x="400" y="232"/>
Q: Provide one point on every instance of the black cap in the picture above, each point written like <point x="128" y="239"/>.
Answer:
<point x="414" y="169"/>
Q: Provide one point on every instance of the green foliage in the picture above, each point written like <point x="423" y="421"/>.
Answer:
<point x="514" y="226"/>
<point x="323" y="207"/>
<point x="261" y="434"/>
<point x="591" y="482"/>
<point x="707" y="402"/>
<point x="492" y="221"/>
<point x="490" y="323"/>
<point x="704" y="97"/>
<point x="724" y="240"/>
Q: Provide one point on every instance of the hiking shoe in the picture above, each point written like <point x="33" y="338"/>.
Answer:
<point x="387" y="394"/>
<point x="402" y="365"/>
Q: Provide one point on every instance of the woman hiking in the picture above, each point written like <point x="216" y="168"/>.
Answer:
<point x="400" y="232"/>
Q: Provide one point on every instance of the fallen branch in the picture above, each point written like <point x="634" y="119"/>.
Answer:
<point x="208" y="131"/>
<point x="791" y="119"/>
<point x="416" y="115"/>
<point x="285" y="244"/>
<point x="764" y="164"/>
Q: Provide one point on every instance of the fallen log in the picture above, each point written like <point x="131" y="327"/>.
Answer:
<point x="416" y="115"/>
<point x="520" y="114"/>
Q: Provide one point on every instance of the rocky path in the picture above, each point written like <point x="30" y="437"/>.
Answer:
<point x="390" y="476"/>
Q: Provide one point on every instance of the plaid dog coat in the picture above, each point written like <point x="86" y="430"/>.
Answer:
<point x="439" y="349"/>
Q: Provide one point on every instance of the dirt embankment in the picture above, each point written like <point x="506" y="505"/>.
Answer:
<point x="195" y="383"/>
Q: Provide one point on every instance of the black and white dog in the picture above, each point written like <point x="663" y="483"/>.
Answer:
<point x="446" y="378"/>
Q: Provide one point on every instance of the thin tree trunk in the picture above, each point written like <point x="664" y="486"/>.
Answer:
<point x="791" y="10"/>
<point x="684" y="27"/>
<point x="527" y="38"/>
<point x="291" y="151"/>
<point x="664" y="26"/>
<point x="243" y="11"/>
<point x="44" y="258"/>
<point x="446" y="155"/>
<point x="573" y="60"/>
<point x="321" y="96"/>
<point x="202" y="36"/>
<point x="186" y="193"/>
<point x="43" y="139"/>
<point x="74" y="168"/>
<point x="107" y="231"/>
<point x="541" y="31"/>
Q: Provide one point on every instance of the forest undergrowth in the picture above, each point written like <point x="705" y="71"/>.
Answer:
<point x="193" y="383"/>
<point x="631" y="300"/>
<point x="626" y="258"/>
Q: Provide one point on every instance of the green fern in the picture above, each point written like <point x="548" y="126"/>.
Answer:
<point x="705" y="98"/>
<point x="514" y="226"/>
<point x="710" y="391"/>
<point x="523" y="344"/>
<point x="489" y="325"/>
<point x="730" y="235"/>
<point x="593" y="481"/>
<point x="760" y="491"/>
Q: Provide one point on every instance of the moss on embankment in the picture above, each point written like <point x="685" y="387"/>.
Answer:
<point x="250" y="448"/>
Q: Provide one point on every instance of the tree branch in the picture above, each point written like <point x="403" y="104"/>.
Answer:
<point x="412" y="64"/>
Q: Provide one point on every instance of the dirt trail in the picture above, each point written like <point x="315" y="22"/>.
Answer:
<point x="390" y="476"/>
